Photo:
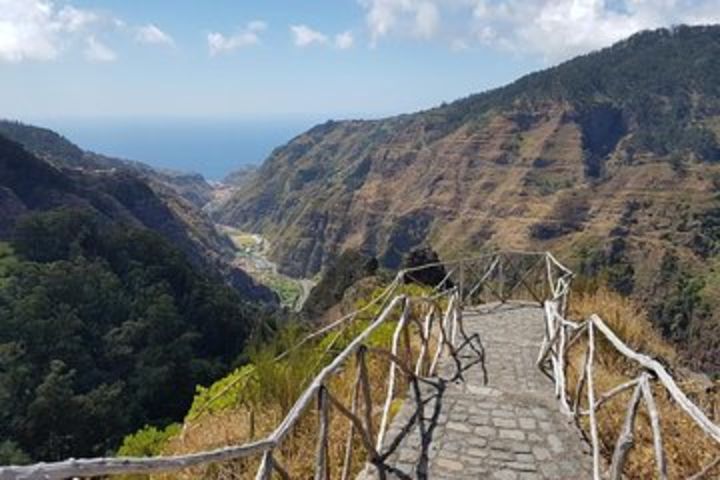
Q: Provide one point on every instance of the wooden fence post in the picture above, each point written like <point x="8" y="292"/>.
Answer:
<point x="265" y="470"/>
<point x="321" y="458"/>
<point x="501" y="278"/>
<point x="626" y="440"/>
<point x="591" y="403"/>
<point x="655" y="423"/>
<point x="347" y="460"/>
<point x="461" y="281"/>
<point x="366" y="391"/>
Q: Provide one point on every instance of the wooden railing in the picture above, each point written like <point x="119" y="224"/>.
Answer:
<point x="426" y="329"/>
<point x="562" y="334"/>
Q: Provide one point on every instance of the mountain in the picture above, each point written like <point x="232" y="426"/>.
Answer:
<point x="223" y="190"/>
<point x="61" y="152"/>
<point x="114" y="304"/>
<point x="241" y="176"/>
<point x="611" y="158"/>
<point x="110" y="322"/>
<point x="57" y="174"/>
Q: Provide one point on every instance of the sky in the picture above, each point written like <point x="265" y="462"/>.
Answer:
<point x="265" y="58"/>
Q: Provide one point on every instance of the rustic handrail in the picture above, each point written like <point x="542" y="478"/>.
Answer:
<point x="552" y="362"/>
<point x="438" y="336"/>
<point x="437" y="331"/>
<point x="447" y="326"/>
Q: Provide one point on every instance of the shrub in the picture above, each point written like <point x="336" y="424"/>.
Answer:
<point x="221" y="395"/>
<point x="12" y="454"/>
<point x="429" y="276"/>
<point x="148" y="441"/>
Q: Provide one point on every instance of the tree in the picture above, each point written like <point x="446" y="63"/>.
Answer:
<point x="48" y="412"/>
<point x="12" y="454"/>
<point x="104" y="328"/>
<point x="54" y="235"/>
<point x="430" y="276"/>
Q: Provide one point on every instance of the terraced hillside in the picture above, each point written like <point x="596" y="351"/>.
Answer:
<point x="613" y="154"/>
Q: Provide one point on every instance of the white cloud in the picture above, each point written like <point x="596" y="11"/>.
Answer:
<point x="73" y="19"/>
<point x="344" y="40"/>
<point x="257" y="26"/>
<point x="305" y="36"/>
<point x="96" y="51"/>
<point x="152" y="35"/>
<point x="247" y="36"/>
<point x="41" y="30"/>
<point x="27" y="31"/>
<point x="427" y="19"/>
<point x="458" y="45"/>
<point x="420" y="18"/>
<point x="559" y="29"/>
<point x="555" y="29"/>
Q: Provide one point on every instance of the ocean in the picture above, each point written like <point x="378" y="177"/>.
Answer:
<point x="212" y="147"/>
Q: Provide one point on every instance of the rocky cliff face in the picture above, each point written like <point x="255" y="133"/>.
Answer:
<point x="512" y="180"/>
<point x="610" y="158"/>
<point x="241" y="176"/>
<point x="556" y="157"/>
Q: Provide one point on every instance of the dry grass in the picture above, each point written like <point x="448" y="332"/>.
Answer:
<point x="298" y="451"/>
<point x="687" y="448"/>
<point x="626" y="319"/>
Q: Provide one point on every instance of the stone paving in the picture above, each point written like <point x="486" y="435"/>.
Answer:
<point x="509" y="429"/>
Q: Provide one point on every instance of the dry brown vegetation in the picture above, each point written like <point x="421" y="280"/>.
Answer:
<point x="297" y="454"/>
<point x="687" y="448"/>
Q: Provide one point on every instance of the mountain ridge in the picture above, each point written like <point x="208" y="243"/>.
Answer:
<point x="58" y="150"/>
<point x="601" y="126"/>
<point x="63" y="175"/>
<point x="611" y="157"/>
<point x="115" y="303"/>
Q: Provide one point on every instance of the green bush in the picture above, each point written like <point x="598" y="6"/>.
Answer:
<point x="148" y="441"/>
<point x="268" y="381"/>
<point x="8" y="261"/>
<point x="12" y="454"/>
<point x="222" y="394"/>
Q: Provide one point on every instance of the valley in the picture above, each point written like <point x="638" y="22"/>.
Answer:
<point x="616" y="167"/>
<point x="251" y="252"/>
<point x="135" y="297"/>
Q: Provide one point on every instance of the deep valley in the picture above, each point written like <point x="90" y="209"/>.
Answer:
<point x="133" y="296"/>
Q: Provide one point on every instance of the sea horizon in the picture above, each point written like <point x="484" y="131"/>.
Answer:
<point x="210" y="146"/>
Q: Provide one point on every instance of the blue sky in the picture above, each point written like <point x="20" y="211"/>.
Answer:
<point x="334" y="58"/>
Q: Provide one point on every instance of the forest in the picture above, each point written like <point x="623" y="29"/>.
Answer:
<point x="109" y="322"/>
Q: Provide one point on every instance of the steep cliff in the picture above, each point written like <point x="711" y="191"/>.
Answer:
<point x="611" y="158"/>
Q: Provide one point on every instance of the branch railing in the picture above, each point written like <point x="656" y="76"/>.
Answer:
<point x="427" y="328"/>
<point x="561" y="335"/>
<point x="439" y="332"/>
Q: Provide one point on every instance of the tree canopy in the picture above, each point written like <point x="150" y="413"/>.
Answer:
<point x="103" y="329"/>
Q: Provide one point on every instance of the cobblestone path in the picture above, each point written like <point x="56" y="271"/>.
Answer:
<point x="509" y="429"/>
